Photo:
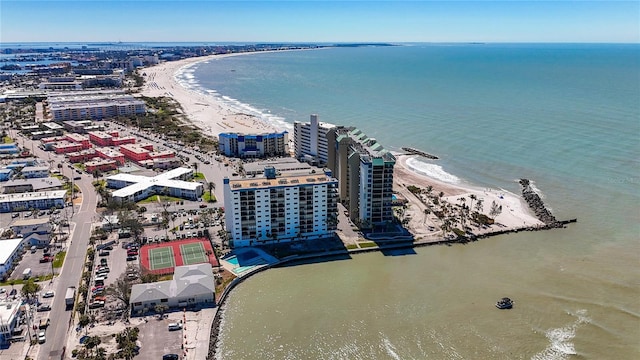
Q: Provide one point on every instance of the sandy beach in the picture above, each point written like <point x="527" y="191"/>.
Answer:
<point x="209" y="113"/>
<point x="214" y="116"/>
<point x="515" y="212"/>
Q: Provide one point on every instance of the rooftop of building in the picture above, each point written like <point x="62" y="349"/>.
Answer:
<point x="54" y="194"/>
<point x="281" y="181"/>
<point x="280" y="164"/>
<point x="7" y="247"/>
<point x="38" y="183"/>
<point x="165" y="179"/>
<point x="367" y="147"/>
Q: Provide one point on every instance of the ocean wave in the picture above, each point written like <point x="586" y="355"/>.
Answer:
<point x="389" y="348"/>
<point x="532" y="185"/>
<point x="432" y="170"/>
<point x="560" y="339"/>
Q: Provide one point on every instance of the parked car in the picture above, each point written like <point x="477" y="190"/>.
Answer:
<point x="131" y="258"/>
<point x="103" y="253"/>
<point x="48" y="294"/>
<point x="15" y="215"/>
<point x="44" y="307"/>
<point x="77" y="178"/>
<point x="96" y="304"/>
<point x="202" y="206"/>
<point x="174" y="326"/>
<point x="41" y="337"/>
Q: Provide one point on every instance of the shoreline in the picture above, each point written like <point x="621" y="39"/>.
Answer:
<point x="212" y="116"/>
<point x="208" y="112"/>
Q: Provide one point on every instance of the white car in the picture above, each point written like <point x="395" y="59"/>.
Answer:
<point x="49" y="294"/>
<point x="41" y="337"/>
<point x="174" y="326"/>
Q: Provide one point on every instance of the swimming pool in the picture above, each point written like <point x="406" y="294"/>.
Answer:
<point x="232" y="260"/>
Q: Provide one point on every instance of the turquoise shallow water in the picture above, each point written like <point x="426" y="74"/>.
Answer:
<point x="566" y="116"/>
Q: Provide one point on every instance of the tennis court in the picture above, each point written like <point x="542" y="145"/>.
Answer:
<point x="161" y="258"/>
<point x="193" y="253"/>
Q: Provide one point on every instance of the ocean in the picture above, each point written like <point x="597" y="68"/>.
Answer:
<point x="566" y="116"/>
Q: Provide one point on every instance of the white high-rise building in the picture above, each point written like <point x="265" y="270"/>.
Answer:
<point x="269" y="210"/>
<point x="310" y="141"/>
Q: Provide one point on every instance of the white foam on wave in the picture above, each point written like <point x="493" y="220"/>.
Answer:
<point x="532" y="185"/>
<point x="389" y="348"/>
<point x="186" y="78"/>
<point x="431" y="170"/>
<point x="561" y="345"/>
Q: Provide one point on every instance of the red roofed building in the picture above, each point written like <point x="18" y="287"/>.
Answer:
<point x="135" y="153"/>
<point x="111" y="154"/>
<point x="80" y="139"/>
<point x="81" y="156"/>
<point x="122" y="141"/>
<point x="100" y="138"/>
<point x="100" y="165"/>
<point x="65" y="147"/>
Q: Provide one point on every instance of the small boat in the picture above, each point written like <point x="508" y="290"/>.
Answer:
<point x="504" y="303"/>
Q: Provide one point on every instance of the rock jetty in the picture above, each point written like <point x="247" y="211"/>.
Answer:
<point x="537" y="205"/>
<point x="414" y="151"/>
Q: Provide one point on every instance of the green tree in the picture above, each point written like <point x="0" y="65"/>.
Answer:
<point x="84" y="321"/>
<point x="495" y="209"/>
<point x="211" y="185"/>
<point x="91" y="343"/>
<point x="120" y="289"/>
<point x="161" y="308"/>
<point x="30" y="289"/>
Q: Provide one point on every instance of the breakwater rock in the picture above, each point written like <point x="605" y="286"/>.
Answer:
<point x="537" y="205"/>
<point x="414" y="151"/>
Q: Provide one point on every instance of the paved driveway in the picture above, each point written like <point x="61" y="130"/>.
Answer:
<point x="156" y="340"/>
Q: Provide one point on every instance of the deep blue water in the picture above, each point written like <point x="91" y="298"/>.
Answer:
<point x="565" y="115"/>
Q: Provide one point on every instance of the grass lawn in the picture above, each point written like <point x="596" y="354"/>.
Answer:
<point x="21" y="281"/>
<point x="352" y="246"/>
<point x="367" y="244"/>
<point x="150" y="199"/>
<point x="208" y="198"/>
<point x="199" y="176"/>
<point x="59" y="259"/>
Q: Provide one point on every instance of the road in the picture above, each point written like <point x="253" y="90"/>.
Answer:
<point x="82" y="219"/>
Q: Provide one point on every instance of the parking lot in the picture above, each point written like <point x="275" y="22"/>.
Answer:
<point x="32" y="261"/>
<point x="157" y="340"/>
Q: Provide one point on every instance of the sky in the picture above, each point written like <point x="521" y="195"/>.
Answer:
<point x="319" y="21"/>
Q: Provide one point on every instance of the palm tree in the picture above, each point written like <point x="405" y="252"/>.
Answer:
<point x="479" y="205"/>
<point x="472" y="197"/>
<point x="84" y="321"/>
<point x="211" y="186"/>
<point x="195" y="167"/>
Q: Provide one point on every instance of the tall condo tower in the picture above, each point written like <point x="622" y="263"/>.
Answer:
<point x="310" y="141"/>
<point x="365" y="175"/>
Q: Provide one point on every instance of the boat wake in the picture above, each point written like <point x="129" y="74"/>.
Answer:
<point x="561" y="339"/>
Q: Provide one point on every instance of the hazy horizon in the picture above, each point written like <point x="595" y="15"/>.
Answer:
<point x="321" y="21"/>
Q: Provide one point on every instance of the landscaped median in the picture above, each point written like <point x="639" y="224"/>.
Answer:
<point x="58" y="260"/>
